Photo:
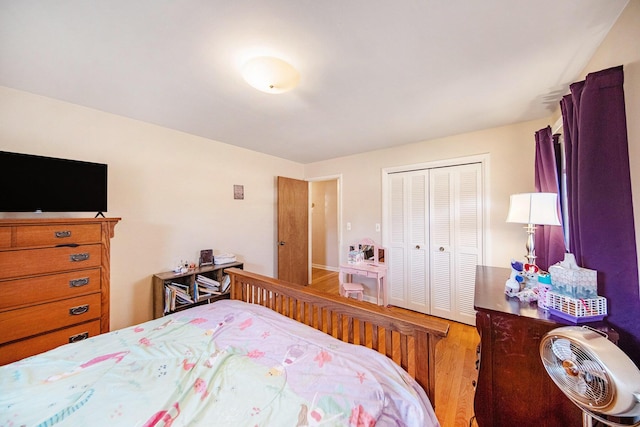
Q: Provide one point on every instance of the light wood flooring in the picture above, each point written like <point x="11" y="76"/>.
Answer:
<point x="455" y="363"/>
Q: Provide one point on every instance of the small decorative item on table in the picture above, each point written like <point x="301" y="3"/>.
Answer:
<point x="544" y="287"/>
<point x="515" y="282"/>
<point x="355" y="256"/>
<point x="577" y="310"/>
<point x="206" y="257"/>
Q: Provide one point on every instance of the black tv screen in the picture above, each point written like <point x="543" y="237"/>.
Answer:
<point x="35" y="183"/>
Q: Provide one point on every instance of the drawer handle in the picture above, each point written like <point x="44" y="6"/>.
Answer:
<point x="63" y="234"/>
<point x="78" y="337"/>
<point x="79" y="257"/>
<point x="81" y="309"/>
<point x="76" y="283"/>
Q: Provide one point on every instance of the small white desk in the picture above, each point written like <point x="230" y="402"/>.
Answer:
<point x="368" y="269"/>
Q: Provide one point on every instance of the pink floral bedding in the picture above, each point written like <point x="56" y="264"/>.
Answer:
<point x="223" y="364"/>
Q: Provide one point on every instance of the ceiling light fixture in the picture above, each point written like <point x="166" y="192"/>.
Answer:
<point x="270" y="75"/>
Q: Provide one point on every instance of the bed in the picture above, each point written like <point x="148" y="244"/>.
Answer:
<point x="274" y="354"/>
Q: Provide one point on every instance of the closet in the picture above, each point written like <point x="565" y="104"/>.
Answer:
<point x="435" y="239"/>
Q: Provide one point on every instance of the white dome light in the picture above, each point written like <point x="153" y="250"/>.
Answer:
<point x="270" y="75"/>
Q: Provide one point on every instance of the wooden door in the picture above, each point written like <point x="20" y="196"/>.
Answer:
<point x="293" y="230"/>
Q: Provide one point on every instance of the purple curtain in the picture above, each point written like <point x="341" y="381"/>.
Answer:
<point x="549" y="242"/>
<point x="602" y="233"/>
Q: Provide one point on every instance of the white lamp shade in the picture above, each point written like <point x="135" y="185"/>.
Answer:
<point x="270" y="75"/>
<point x="534" y="208"/>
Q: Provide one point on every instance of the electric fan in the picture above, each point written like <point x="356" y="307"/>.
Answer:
<point x="594" y="373"/>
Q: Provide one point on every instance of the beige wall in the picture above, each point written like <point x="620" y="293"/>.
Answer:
<point x="510" y="149"/>
<point x="173" y="191"/>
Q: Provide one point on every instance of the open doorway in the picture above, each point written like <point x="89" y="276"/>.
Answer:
<point x="324" y="224"/>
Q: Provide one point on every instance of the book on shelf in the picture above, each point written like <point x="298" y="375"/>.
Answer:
<point x="204" y="292"/>
<point x="167" y="300"/>
<point x="207" y="283"/>
<point x="176" y="294"/>
<point x="226" y="283"/>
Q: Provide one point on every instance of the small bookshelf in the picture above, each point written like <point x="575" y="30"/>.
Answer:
<point x="173" y="292"/>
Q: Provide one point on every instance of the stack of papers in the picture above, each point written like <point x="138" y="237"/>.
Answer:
<point x="224" y="258"/>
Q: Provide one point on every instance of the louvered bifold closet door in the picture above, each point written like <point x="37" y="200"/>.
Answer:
<point x="395" y="255"/>
<point x="408" y="263"/>
<point x="456" y="240"/>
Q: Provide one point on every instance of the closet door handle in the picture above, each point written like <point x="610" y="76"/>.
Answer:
<point x="441" y="249"/>
<point x="281" y="243"/>
<point x="417" y="246"/>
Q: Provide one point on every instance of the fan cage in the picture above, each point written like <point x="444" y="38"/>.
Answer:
<point x="583" y="378"/>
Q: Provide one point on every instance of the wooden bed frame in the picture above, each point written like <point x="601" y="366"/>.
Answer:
<point x="408" y="340"/>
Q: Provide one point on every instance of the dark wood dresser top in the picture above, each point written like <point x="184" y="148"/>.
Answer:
<point x="490" y="296"/>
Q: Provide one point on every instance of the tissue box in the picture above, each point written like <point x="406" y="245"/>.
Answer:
<point x="574" y="282"/>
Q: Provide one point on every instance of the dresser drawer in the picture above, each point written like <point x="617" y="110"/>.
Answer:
<point x="34" y="290"/>
<point x="20" y="349"/>
<point x="28" y="262"/>
<point x="25" y="322"/>
<point x="53" y="235"/>
<point x="5" y="237"/>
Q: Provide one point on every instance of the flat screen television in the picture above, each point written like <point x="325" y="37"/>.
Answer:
<point x="31" y="183"/>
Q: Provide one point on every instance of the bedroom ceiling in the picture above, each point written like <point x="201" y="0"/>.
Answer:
<point x="374" y="73"/>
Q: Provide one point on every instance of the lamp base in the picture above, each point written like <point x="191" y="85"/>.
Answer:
<point x="531" y="250"/>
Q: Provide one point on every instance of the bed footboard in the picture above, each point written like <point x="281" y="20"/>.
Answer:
<point x="408" y="340"/>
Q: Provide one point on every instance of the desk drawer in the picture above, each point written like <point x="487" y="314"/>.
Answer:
<point x="359" y="272"/>
<point x="372" y="274"/>
<point x="40" y="289"/>
<point x="25" y="322"/>
<point x="27" y="262"/>
<point x="53" y="235"/>
<point x="347" y="270"/>
<point x="20" y="349"/>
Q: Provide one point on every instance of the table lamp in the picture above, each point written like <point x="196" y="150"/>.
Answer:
<point x="533" y="209"/>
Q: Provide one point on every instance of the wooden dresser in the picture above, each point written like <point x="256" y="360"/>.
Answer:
<point x="513" y="387"/>
<point x="54" y="283"/>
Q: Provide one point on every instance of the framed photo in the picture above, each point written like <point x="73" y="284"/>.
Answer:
<point x="238" y="192"/>
<point x="206" y="257"/>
